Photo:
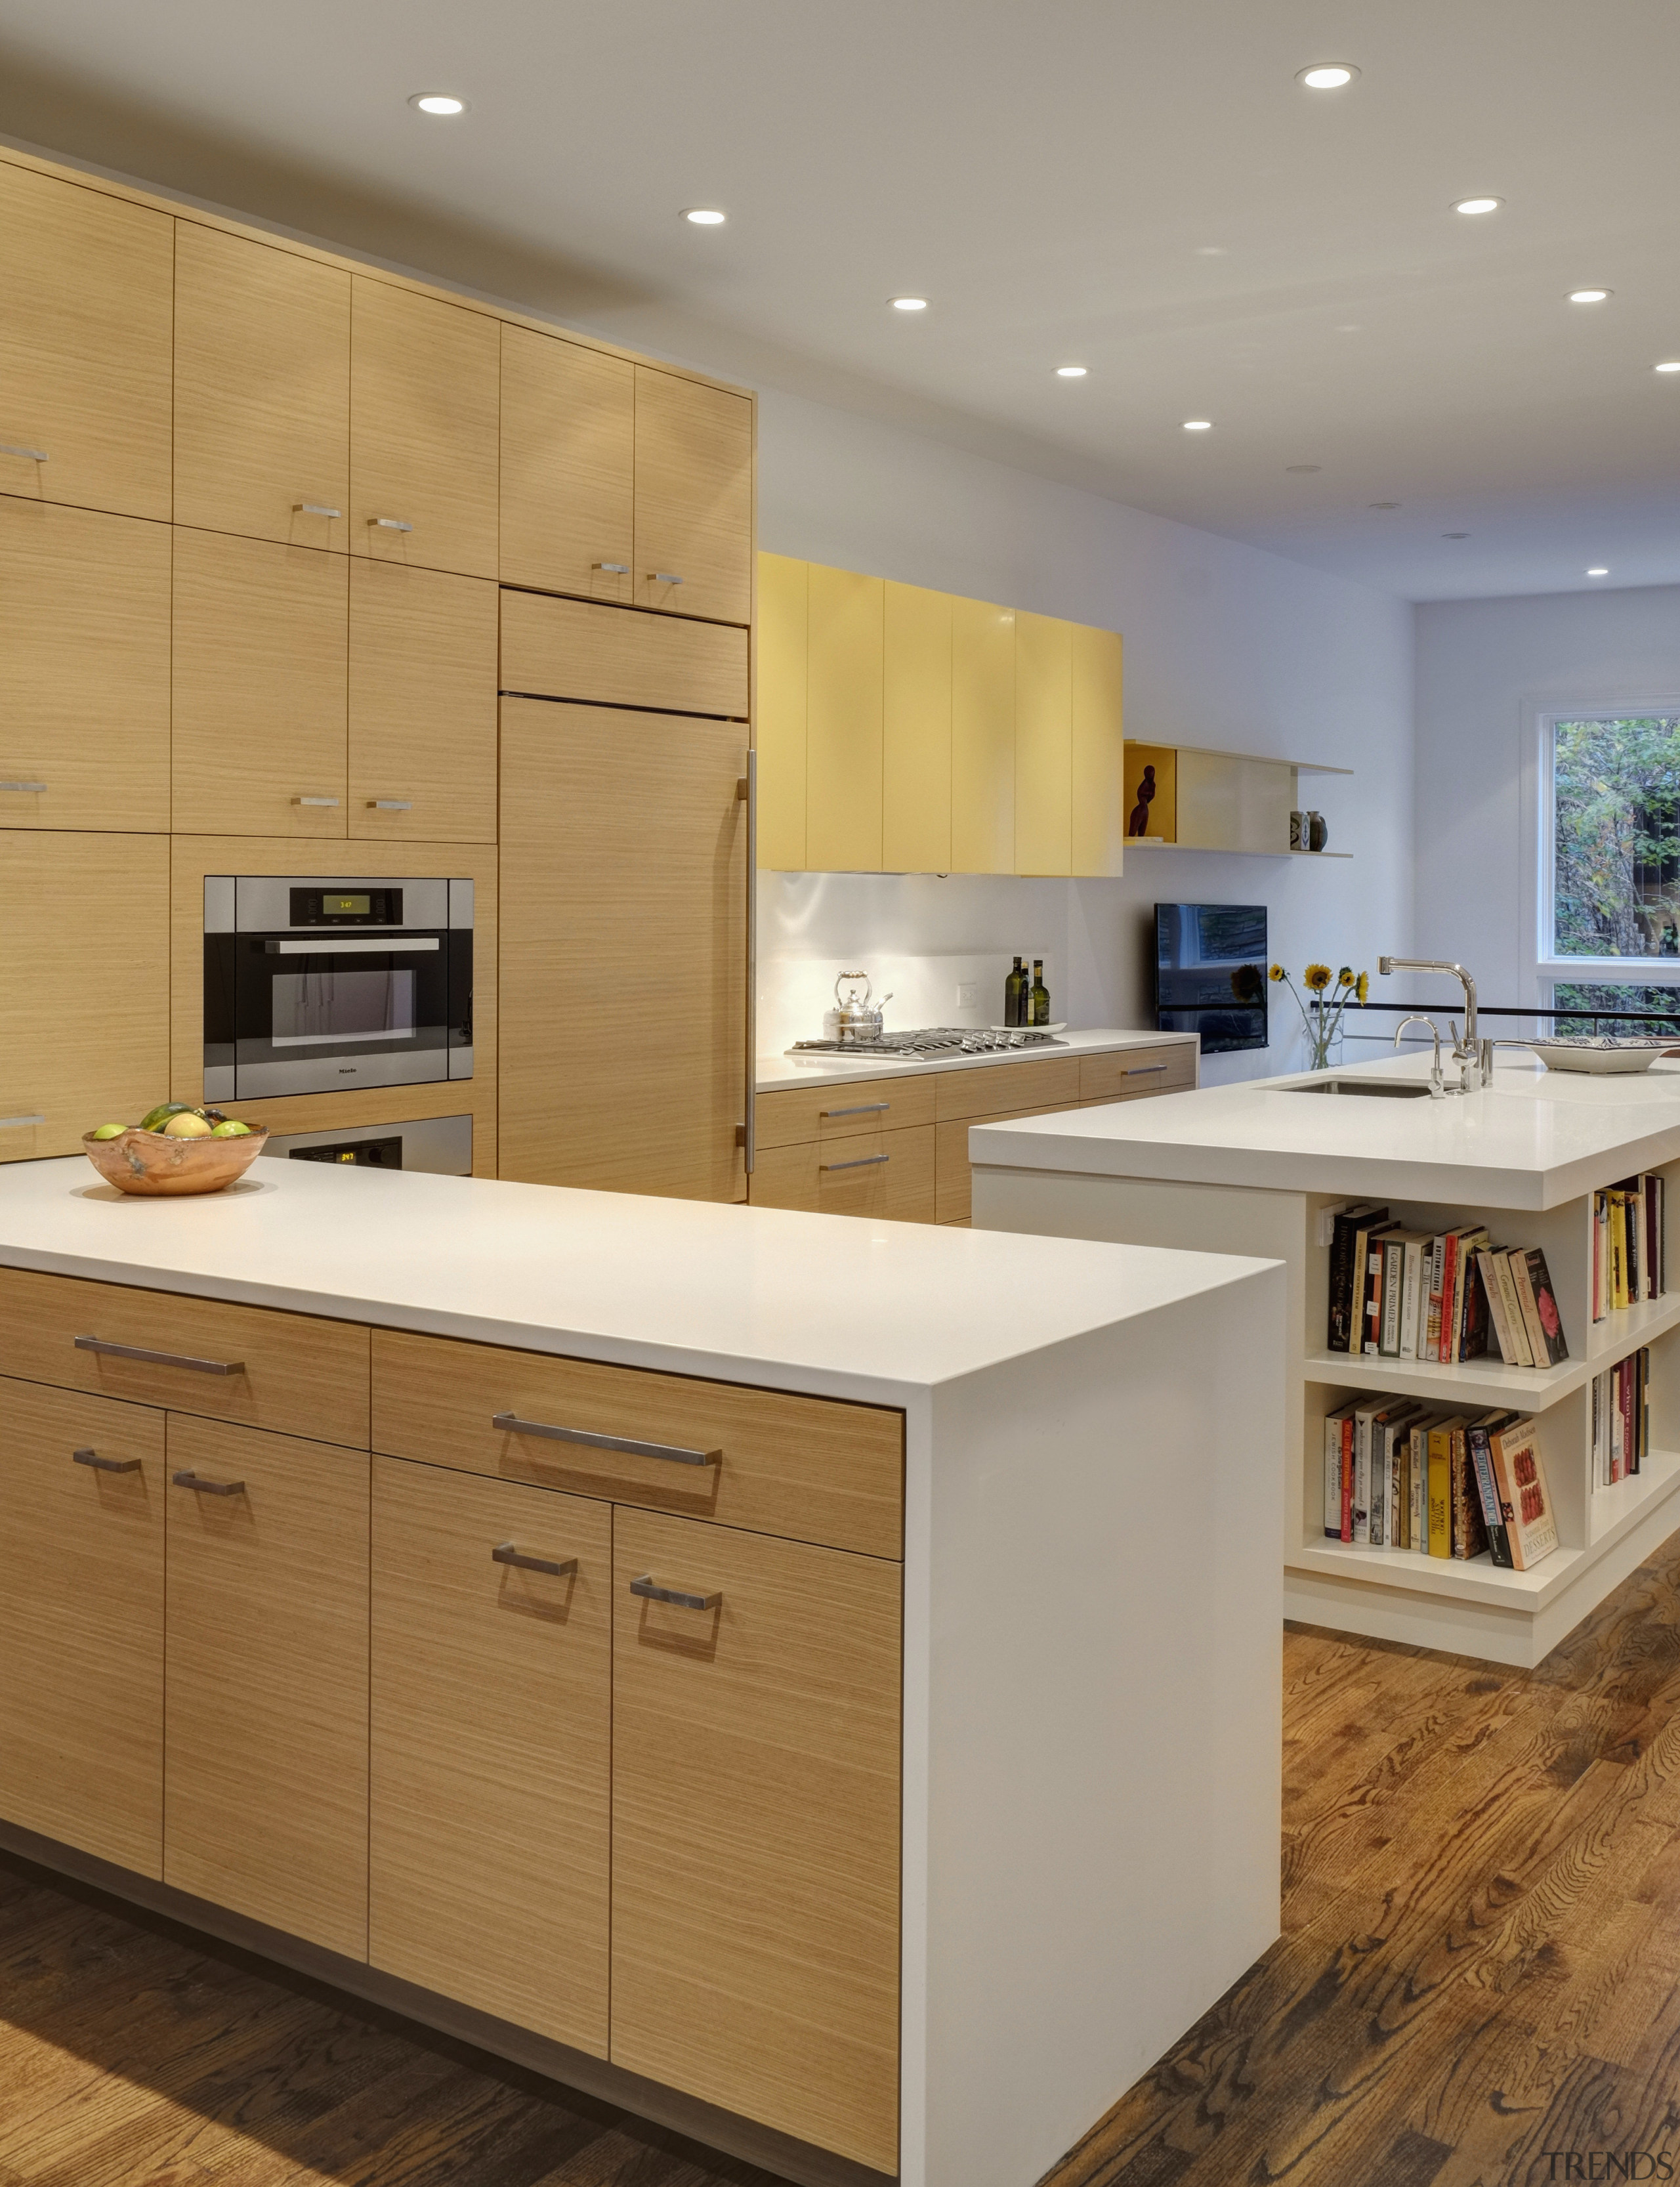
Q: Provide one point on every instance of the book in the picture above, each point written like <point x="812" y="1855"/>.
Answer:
<point x="1498" y="1548"/>
<point x="1539" y="1304"/>
<point x="1400" y="1248"/>
<point x="1429" y="1345"/>
<point x="1524" y="1501"/>
<point x="1439" y="1487"/>
<point x="1349" y="1222"/>
<point x="1338" y="1518"/>
<point x="1370" y="1316"/>
<point x="1508" y="1324"/>
<point x="1475" y="1323"/>
<point x="1417" y="1483"/>
<point x="1386" y="1425"/>
<point x="1411" y="1313"/>
<point x="1469" y="1531"/>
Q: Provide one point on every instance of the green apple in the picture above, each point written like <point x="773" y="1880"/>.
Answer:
<point x="186" y="1124"/>
<point x="155" y="1119"/>
<point x="230" y="1128"/>
<point x="109" y="1132"/>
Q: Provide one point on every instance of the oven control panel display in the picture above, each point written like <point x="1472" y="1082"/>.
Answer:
<point x="317" y="907"/>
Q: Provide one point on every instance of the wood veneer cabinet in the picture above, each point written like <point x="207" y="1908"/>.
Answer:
<point x="568" y="467"/>
<point x="422" y="705"/>
<point x="693" y="497"/>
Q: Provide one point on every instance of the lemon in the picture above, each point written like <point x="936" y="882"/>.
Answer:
<point x="186" y="1125"/>
<point x="230" y="1128"/>
<point x="109" y="1132"/>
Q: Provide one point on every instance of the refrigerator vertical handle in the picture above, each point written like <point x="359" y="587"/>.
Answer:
<point x="748" y="791"/>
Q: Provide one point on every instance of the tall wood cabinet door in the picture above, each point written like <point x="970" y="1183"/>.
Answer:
<point x="623" y="899"/>
<point x="84" y="661"/>
<point x="693" y="497"/>
<point x="843" y="737"/>
<point x="780" y="716"/>
<point x="84" y="346"/>
<point x="259" y="722"/>
<point x="491" y="1732"/>
<point x="424" y="381"/>
<point x="84" y="986"/>
<point x="1043" y="744"/>
<point x="1098" y="844"/>
<point x="982" y="738"/>
<point x="422" y="650"/>
<point x="266" y="1679"/>
<point x="916" y="732"/>
<point x="261" y="391"/>
<point x="568" y="467"/>
<point x="82" y="1527"/>
<point x="755" y="1829"/>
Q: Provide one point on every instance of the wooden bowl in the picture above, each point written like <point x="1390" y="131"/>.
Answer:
<point x="152" y="1162"/>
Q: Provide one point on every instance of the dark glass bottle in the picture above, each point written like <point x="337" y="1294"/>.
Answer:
<point x="1040" y="995"/>
<point x="1014" y="993"/>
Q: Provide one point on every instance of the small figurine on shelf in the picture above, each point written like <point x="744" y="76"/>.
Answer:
<point x="1138" y="824"/>
<point x="1318" y="835"/>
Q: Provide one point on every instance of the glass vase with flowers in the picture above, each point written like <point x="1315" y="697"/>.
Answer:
<point x="1322" y="1007"/>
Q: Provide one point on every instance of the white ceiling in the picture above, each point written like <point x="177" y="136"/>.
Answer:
<point x="1140" y="186"/>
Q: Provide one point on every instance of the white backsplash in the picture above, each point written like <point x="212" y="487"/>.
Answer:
<point x="794" y="992"/>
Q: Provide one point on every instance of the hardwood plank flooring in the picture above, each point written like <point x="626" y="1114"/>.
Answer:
<point x="1480" y="1962"/>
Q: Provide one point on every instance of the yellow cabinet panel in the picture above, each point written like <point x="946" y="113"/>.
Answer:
<point x="779" y="726"/>
<point x="843" y="739"/>
<point x="916" y="732"/>
<point x="84" y="346"/>
<point x="568" y="467"/>
<point x="1043" y="744"/>
<point x="1099" y="812"/>
<point x="693" y="498"/>
<point x="261" y="391"/>
<point x="982" y="738"/>
<point x="1228" y="803"/>
<point x="422" y="705"/>
<point x="84" y="668"/>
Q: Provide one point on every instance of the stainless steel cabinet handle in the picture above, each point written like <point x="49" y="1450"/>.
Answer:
<point x="649" y="1593"/>
<point x="1140" y="1069"/>
<point x="158" y="1358"/>
<point x="208" y="1488"/>
<point x="390" y="804"/>
<point x="389" y="523"/>
<point x="9" y="1123"/>
<point x="511" y="1424"/>
<point x="340" y="945"/>
<point x="29" y="455"/>
<point x="612" y="568"/>
<point x="315" y="508"/>
<point x="863" y="1161"/>
<point x="315" y="800"/>
<point x="105" y="1465"/>
<point x="663" y="577"/>
<point x="504" y="1553"/>
<point x="862" y="1108"/>
<point x="34" y="788"/>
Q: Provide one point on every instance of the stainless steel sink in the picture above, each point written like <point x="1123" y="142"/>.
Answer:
<point x="1372" y="1088"/>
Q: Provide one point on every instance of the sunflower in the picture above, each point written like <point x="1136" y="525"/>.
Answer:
<point x="1274" y="972"/>
<point x="1345" y="977"/>
<point x="1317" y="977"/>
<point x="1363" y="986"/>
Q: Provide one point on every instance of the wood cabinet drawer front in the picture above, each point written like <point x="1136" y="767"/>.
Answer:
<point x="1137" y="1070"/>
<point x="81" y="1586"/>
<point x="887" y="1177"/>
<point x="799" y="1114"/>
<point x="755" y="1829"/>
<point x="955" y="1177"/>
<point x="807" y="1467"/>
<point x="614" y="657"/>
<point x="491" y="1730"/>
<point x="1050" y="1082"/>
<point x="291" y="1372"/>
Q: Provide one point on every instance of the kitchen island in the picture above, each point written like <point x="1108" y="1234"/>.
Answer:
<point x="1258" y="1169"/>
<point x="814" y="1682"/>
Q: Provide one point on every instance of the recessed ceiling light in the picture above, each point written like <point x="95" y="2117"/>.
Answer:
<point x="1588" y="295"/>
<point x="1071" y="371"/>
<point x="1211" y="250"/>
<point x="1599" y="570"/>
<point x="704" y="216"/>
<point x="438" y="102"/>
<point x="1302" y="467"/>
<point x="1670" y="364"/>
<point x="908" y="303"/>
<point x="1198" y="424"/>
<point x="1474" y="205"/>
<point x="1455" y="535"/>
<point x="1382" y="504"/>
<point x="1327" y="76"/>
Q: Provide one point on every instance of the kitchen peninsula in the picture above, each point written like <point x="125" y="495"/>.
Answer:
<point x="815" y="1683"/>
<point x="1259" y="1167"/>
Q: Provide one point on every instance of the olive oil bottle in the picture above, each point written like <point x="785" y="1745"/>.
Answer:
<point x="1040" y="996"/>
<point x="1015" y="995"/>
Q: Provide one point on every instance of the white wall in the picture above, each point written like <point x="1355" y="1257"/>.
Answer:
<point x="1482" y="667"/>
<point x="1225" y="646"/>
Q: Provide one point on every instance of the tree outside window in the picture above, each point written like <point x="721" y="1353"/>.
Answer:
<point x="1616" y="875"/>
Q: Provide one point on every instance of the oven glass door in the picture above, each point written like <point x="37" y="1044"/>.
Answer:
<point x="316" y="1016"/>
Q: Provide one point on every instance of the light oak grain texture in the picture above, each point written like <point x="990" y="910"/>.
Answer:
<point x="424" y="403"/>
<point x="888" y="1176"/>
<point x="807" y="1467"/>
<point x="298" y="1374"/>
<point x="954" y="1178"/>
<point x="1100" y="814"/>
<point x="1048" y="1081"/>
<point x="755" y="1917"/>
<point x="843" y="741"/>
<point x="568" y="467"/>
<point x="781" y="713"/>
<point x="84" y="656"/>
<point x="259" y="707"/>
<point x="261" y="391"/>
<point x="423" y="653"/>
<point x="265" y="1681"/>
<point x="84" y="985"/>
<point x="1166" y="1070"/>
<point x="84" y="344"/>
<point x="1043" y="744"/>
<point x="693" y="497"/>
<point x="624" y="890"/>
<point x="574" y="649"/>
<point x="491" y="1729"/>
<point x="982" y="738"/>
<point x="82" y="1624"/>
<point x="795" y="1114"/>
<point x="916" y="732"/>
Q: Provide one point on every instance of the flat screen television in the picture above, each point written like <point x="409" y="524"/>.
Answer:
<point x="1210" y="972"/>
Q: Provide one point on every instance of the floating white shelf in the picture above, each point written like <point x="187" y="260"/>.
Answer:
<point x="1223" y="851"/>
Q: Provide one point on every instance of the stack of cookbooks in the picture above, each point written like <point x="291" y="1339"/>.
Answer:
<point x="1402" y="1474"/>
<point x="1401" y="1294"/>
<point x="1621" y="1418"/>
<point x="1630" y="1248"/>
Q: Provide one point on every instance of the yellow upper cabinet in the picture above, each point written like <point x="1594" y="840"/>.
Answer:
<point x="982" y="738"/>
<point x="261" y="391"/>
<point x="568" y="467"/>
<point x="424" y="382"/>
<point x="1100" y="812"/>
<point x="916" y="732"/>
<point x="693" y="497"/>
<point x="779" y="733"/>
<point x="84" y="346"/>
<point x="1043" y="744"/>
<point x="843" y="729"/>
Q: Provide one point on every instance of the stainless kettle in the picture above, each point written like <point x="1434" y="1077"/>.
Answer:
<point x="855" y="1017"/>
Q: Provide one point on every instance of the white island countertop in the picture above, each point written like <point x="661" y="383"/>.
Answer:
<point x="1532" y="1140"/>
<point x="774" y="1073"/>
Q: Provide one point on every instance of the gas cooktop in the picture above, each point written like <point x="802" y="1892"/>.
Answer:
<point x="931" y="1040"/>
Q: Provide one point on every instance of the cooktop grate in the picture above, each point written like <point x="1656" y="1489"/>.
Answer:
<point x="931" y="1040"/>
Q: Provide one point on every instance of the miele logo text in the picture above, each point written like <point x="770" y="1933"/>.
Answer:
<point x="1608" y="2164"/>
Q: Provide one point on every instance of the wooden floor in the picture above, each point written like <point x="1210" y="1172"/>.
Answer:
<point x="1480" y="1962"/>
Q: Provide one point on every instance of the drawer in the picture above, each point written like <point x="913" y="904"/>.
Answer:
<point x="954" y="1177"/>
<point x="1050" y="1082"/>
<point x="1167" y="1070"/>
<point x="554" y="649"/>
<point x="800" y="1114"/>
<point x="809" y="1468"/>
<point x="887" y="1176"/>
<point x="245" y="1364"/>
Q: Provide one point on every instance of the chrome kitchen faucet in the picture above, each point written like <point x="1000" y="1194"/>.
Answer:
<point x="1473" y="1066"/>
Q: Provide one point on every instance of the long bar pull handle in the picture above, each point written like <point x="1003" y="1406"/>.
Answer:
<point x="315" y="508"/>
<point x="858" y="1109"/>
<point x="398" y="805"/>
<point x="649" y="1593"/>
<point x="357" y="944"/>
<point x="863" y="1161"/>
<point x="750" y="1129"/>
<point x="612" y="568"/>
<point x="29" y="455"/>
<point x="105" y="1465"/>
<point x="511" y="1424"/>
<point x="315" y="800"/>
<point x="158" y="1358"/>
<point x="1140" y="1069"/>
<point x="197" y="1480"/>
<point x="389" y="523"/>
<point x="504" y="1553"/>
<point x="33" y="788"/>
<point x="10" y="1123"/>
<point x="663" y="577"/>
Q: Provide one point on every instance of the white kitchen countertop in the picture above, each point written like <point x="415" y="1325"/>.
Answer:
<point x="829" y="1305"/>
<point x="777" y="1072"/>
<point x="1533" y="1138"/>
